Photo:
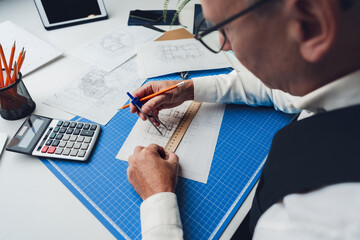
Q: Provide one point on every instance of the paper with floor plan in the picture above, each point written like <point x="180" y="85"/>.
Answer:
<point x="164" y="57"/>
<point x="96" y="94"/>
<point x="196" y="149"/>
<point x="38" y="52"/>
<point x="112" y="49"/>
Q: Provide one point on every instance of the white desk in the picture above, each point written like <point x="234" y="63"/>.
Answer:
<point x="34" y="204"/>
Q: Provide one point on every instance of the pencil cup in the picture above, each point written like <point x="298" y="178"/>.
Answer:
<point x="15" y="101"/>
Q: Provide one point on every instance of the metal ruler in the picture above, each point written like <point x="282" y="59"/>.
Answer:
<point x="180" y="130"/>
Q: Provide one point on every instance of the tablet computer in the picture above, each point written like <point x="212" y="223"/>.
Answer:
<point x="63" y="13"/>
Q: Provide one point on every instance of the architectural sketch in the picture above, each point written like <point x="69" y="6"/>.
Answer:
<point x="144" y="133"/>
<point x="96" y="94"/>
<point x="193" y="164"/>
<point x="181" y="52"/>
<point x="171" y="118"/>
<point x="164" y="57"/>
<point x="112" y="49"/>
<point x="93" y="84"/>
<point x="113" y="42"/>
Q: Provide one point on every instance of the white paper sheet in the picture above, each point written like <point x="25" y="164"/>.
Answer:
<point x="164" y="57"/>
<point x="112" y="49"/>
<point x="38" y="52"/>
<point x="96" y="94"/>
<point x="196" y="149"/>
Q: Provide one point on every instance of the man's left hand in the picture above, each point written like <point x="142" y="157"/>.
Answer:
<point x="151" y="171"/>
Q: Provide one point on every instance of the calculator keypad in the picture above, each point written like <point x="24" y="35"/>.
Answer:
<point x="68" y="140"/>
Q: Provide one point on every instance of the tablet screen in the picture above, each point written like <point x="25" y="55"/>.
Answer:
<point x="66" y="10"/>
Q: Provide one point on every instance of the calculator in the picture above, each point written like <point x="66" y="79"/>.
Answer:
<point x="53" y="138"/>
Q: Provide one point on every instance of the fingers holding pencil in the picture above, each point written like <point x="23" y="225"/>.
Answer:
<point x="161" y="97"/>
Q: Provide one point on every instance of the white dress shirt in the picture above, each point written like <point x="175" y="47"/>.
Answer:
<point x="332" y="212"/>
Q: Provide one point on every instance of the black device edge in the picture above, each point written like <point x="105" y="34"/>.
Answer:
<point x="37" y="136"/>
<point x="73" y="23"/>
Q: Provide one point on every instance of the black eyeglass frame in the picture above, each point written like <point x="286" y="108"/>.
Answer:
<point x="199" y="36"/>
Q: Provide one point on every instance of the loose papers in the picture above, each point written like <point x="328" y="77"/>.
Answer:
<point x="38" y="51"/>
<point x="164" y="57"/>
<point x="96" y="94"/>
<point x="197" y="147"/>
<point x="112" y="49"/>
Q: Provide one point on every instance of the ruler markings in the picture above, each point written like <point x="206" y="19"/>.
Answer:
<point x="180" y="130"/>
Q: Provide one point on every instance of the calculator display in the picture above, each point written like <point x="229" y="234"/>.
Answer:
<point x="30" y="132"/>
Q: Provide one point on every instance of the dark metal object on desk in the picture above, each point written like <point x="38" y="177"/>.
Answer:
<point x="148" y="25"/>
<point x="184" y="75"/>
<point x="15" y="101"/>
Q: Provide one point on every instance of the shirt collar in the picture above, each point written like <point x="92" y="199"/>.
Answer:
<point x="341" y="93"/>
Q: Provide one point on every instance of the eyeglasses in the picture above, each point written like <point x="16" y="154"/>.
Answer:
<point x="208" y="35"/>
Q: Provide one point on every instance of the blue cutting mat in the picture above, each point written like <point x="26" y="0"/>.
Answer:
<point x="102" y="186"/>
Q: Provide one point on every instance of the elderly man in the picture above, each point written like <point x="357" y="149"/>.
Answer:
<point x="309" y="187"/>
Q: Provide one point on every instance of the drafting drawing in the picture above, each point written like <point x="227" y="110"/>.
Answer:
<point x="93" y="84"/>
<point x="144" y="133"/>
<point x="166" y="132"/>
<point x="164" y="57"/>
<point x="110" y="50"/>
<point x="171" y="118"/>
<point x="96" y="94"/>
<point x="202" y="133"/>
<point x="181" y="52"/>
<point x="113" y="42"/>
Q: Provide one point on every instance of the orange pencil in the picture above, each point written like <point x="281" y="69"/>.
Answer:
<point x="12" y="55"/>
<point x="1" y="76"/>
<point x="157" y="93"/>
<point x="18" y="61"/>
<point x="22" y="60"/>
<point x="20" y="55"/>
<point x="8" y="74"/>
<point x="16" y="71"/>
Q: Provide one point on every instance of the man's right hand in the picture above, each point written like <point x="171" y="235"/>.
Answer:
<point x="168" y="99"/>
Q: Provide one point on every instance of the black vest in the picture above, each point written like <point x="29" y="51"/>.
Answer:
<point x="309" y="154"/>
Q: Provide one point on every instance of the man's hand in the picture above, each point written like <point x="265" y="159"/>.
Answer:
<point x="169" y="99"/>
<point x="151" y="171"/>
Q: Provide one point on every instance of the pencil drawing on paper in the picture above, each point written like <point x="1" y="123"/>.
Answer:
<point x="195" y="165"/>
<point x="93" y="84"/>
<point x="166" y="132"/>
<point x="181" y="52"/>
<point x="113" y="42"/>
<point x="171" y="118"/>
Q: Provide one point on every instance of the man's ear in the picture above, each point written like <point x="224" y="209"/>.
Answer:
<point x="314" y="26"/>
